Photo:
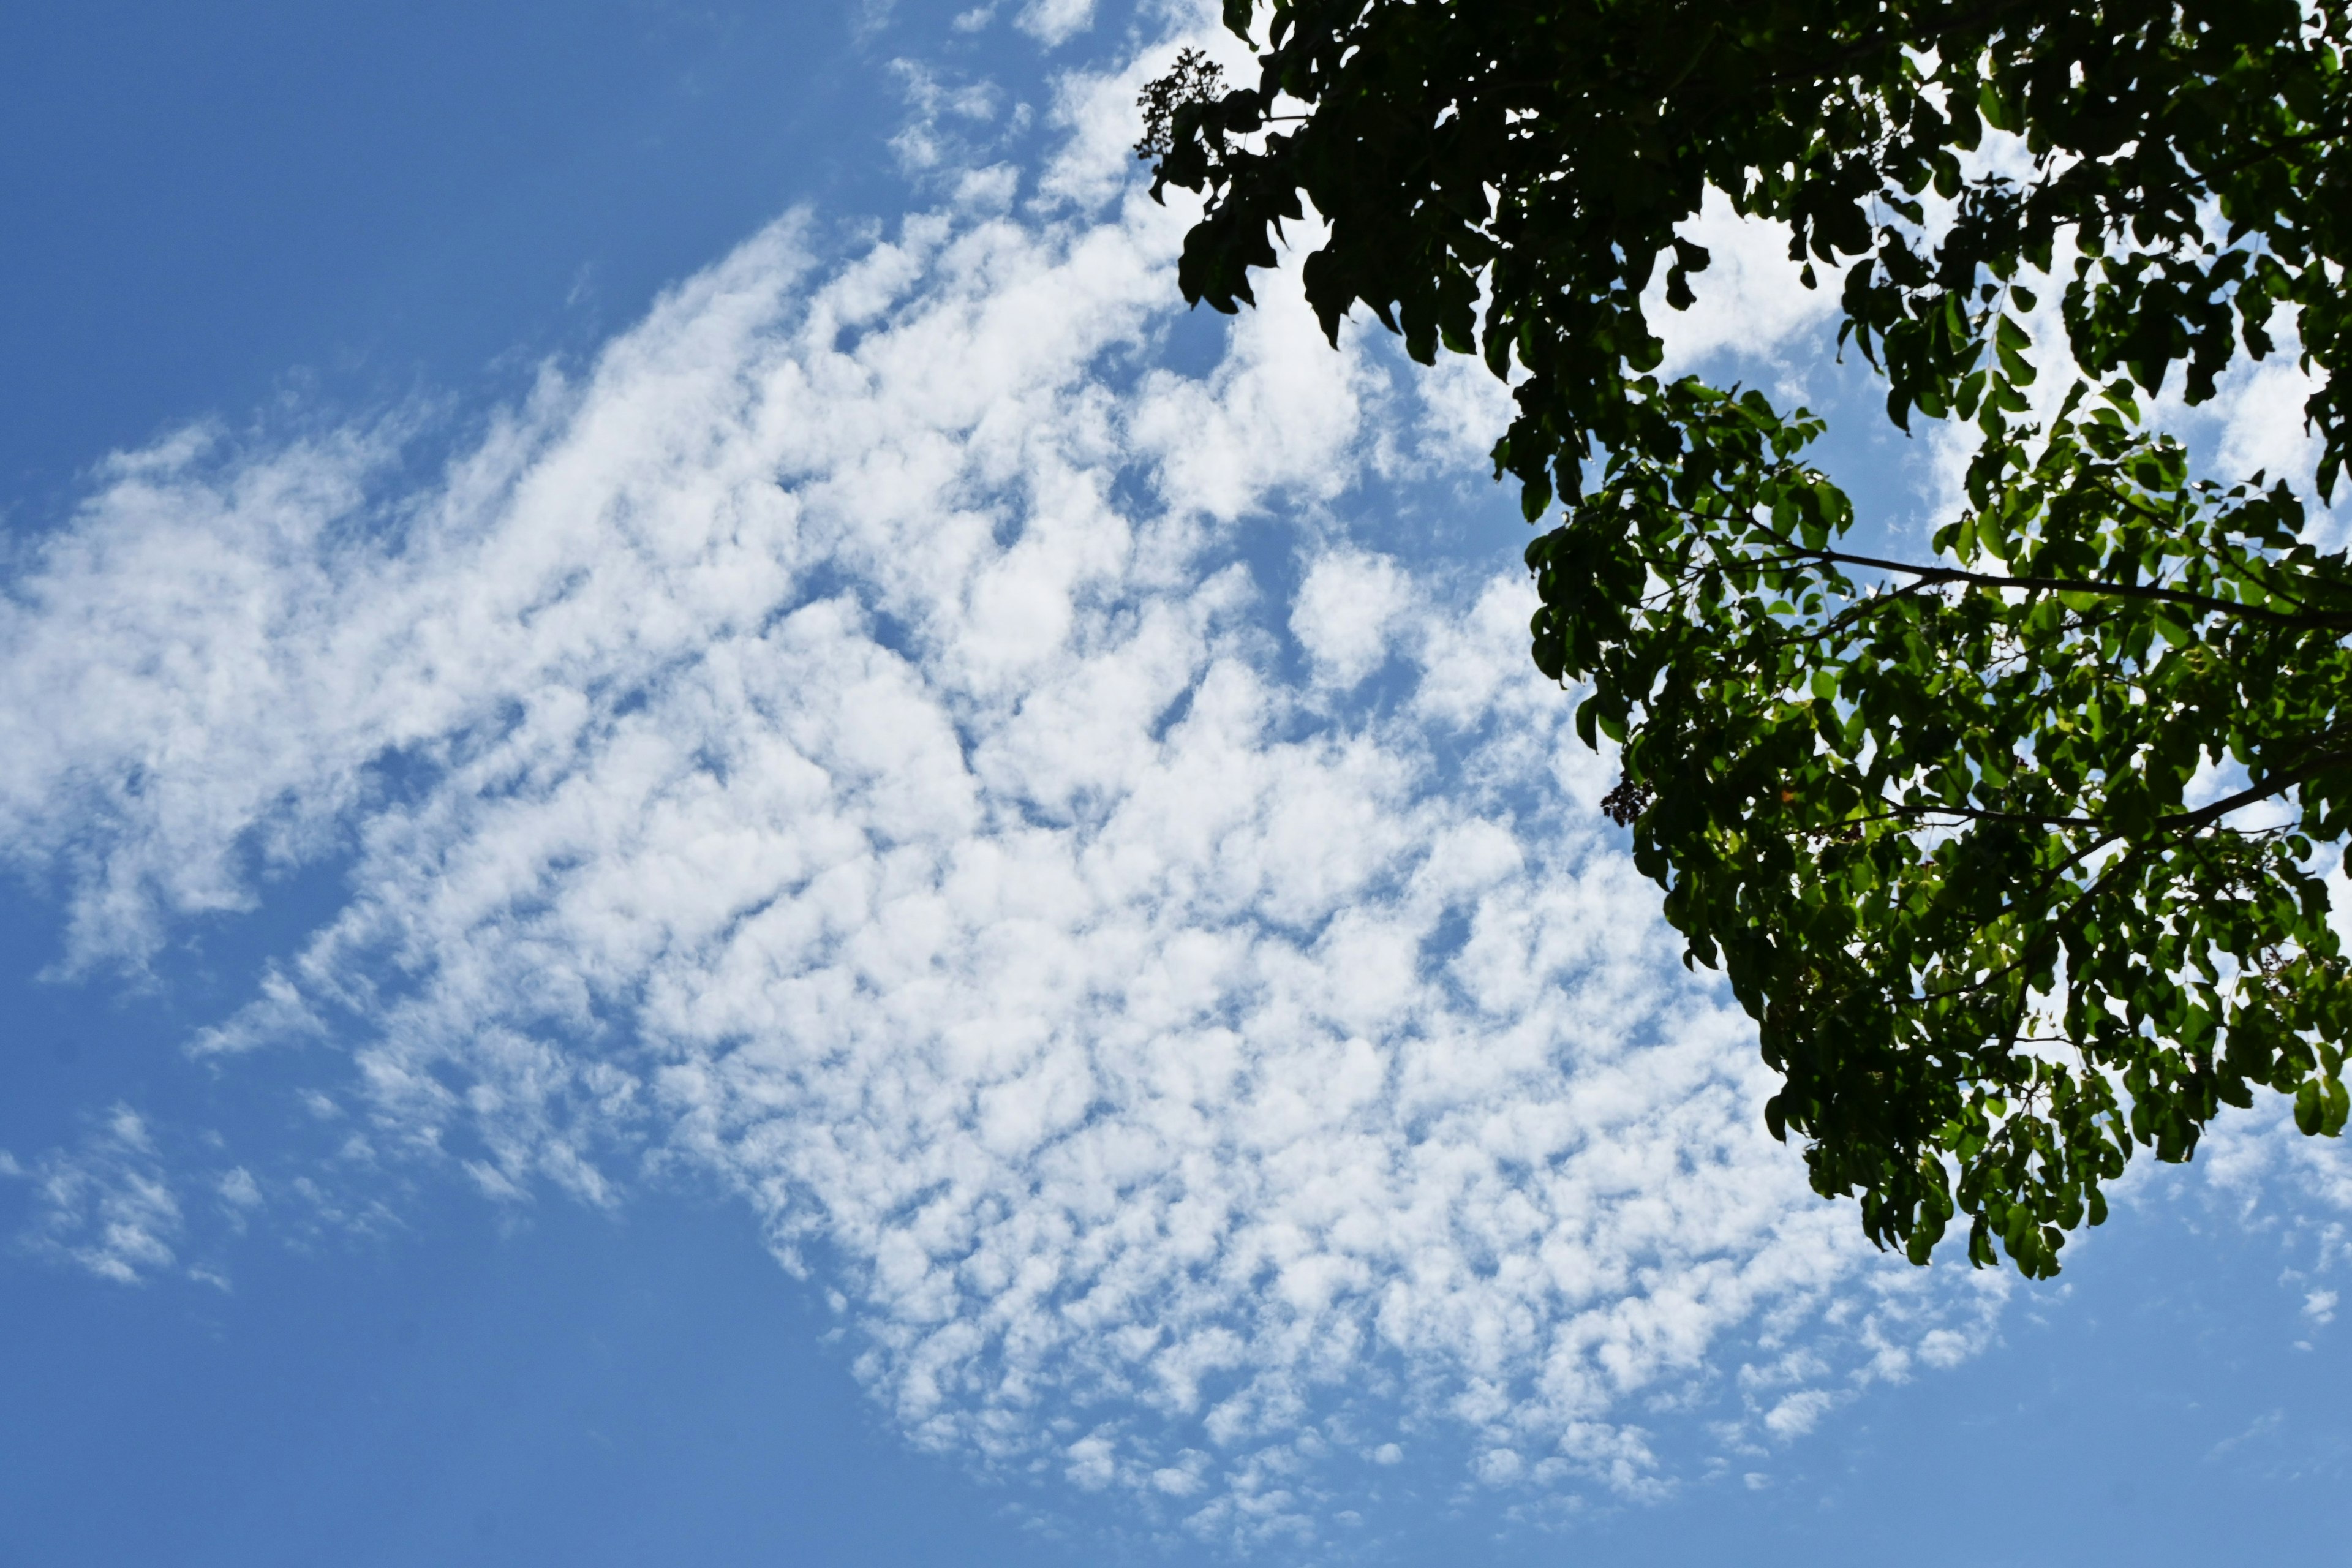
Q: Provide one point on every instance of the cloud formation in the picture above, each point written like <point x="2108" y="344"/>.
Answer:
<point x="107" y="1204"/>
<point x="1133" y="928"/>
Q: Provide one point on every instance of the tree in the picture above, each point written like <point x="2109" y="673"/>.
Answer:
<point x="1950" y="825"/>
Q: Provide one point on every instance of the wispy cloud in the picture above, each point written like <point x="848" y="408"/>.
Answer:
<point x="107" y="1205"/>
<point x="855" y="742"/>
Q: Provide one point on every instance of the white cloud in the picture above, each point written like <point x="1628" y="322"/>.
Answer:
<point x="1498" y="1467"/>
<point x="1056" y="22"/>
<point x="943" y="116"/>
<point x="239" y="1190"/>
<point x="1799" y="1413"/>
<point x="1751" y="301"/>
<point x="107" y="1205"/>
<point x="2259" y="409"/>
<point x="2248" y="1155"/>
<point x="839" y="745"/>
<point x="1346" y="612"/>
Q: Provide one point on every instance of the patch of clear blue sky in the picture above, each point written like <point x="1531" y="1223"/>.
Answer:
<point x="214" y="206"/>
<point x="291" y="212"/>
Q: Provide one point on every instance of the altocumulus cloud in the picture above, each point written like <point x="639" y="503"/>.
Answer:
<point x="1134" y="937"/>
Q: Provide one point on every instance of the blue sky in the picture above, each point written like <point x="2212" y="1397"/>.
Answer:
<point x="720" y="851"/>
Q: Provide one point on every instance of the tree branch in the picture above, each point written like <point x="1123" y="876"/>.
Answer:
<point x="1930" y="576"/>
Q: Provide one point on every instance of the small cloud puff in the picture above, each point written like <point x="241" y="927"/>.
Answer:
<point x="1345" y="612"/>
<point x="107" y="1204"/>
<point x="1056" y="22"/>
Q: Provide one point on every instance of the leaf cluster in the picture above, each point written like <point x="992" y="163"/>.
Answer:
<point x="1541" y="154"/>
<point x="1936" y="822"/>
<point x="1950" y="825"/>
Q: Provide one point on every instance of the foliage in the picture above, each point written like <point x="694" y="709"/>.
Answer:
<point x="1938" y="820"/>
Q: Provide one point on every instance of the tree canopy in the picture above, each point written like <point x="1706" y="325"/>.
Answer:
<point x="2014" y="848"/>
